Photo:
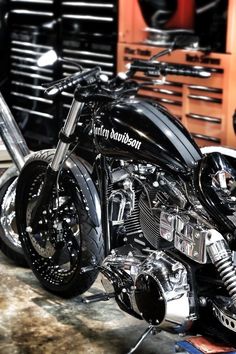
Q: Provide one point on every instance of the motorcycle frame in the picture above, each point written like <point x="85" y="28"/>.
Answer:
<point x="12" y="136"/>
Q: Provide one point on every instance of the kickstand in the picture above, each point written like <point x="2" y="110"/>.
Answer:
<point x="149" y="330"/>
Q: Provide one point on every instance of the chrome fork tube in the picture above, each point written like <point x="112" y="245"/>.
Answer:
<point x="68" y="130"/>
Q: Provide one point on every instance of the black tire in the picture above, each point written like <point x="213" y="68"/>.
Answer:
<point x="9" y="240"/>
<point x="57" y="264"/>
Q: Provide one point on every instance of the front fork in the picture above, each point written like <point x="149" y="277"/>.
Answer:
<point x="57" y="162"/>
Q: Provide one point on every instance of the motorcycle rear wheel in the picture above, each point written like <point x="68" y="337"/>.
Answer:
<point x="9" y="239"/>
<point x="67" y="240"/>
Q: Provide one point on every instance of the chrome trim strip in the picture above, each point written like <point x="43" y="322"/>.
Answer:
<point x="31" y="67"/>
<point x="205" y="98"/>
<point x="30" y="12"/>
<point x="169" y="92"/>
<point x="204" y="118"/>
<point x="93" y="62"/>
<point x="30" y="60"/>
<point x="206" y="137"/>
<point x="23" y="84"/>
<point x="163" y="91"/>
<point x="87" y="17"/>
<point x="86" y="4"/>
<point x="25" y="51"/>
<point x="41" y="114"/>
<point x="32" y="98"/>
<point x="84" y="52"/>
<point x="26" y="44"/>
<point x="50" y="2"/>
<point x="205" y="88"/>
<point x="33" y="76"/>
<point x="168" y="83"/>
<point x="165" y="100"/>
<point x="70" y="67"/>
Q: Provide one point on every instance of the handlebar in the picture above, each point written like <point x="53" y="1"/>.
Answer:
<point x="149" y="67"/>
<point x="157" y="68"/>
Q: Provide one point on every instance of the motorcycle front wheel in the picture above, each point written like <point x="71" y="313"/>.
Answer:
<point x="66" y="241"/>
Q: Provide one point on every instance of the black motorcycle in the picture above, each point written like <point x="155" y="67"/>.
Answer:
<point x="153" y="215"/>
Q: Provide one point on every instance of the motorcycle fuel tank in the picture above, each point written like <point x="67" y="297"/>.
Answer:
<point x="141" y="130"/>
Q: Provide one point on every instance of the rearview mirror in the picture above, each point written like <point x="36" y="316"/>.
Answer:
<point x="47" y="58"/>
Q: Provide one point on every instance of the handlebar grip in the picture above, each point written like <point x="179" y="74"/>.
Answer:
<point x="184" y="71"/>
<point x="144" y="65"/>
<point x="158" y="68"/>
<point x="87" y="76"/>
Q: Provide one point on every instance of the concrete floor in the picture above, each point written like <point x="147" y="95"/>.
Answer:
<point x="32" y="321"/>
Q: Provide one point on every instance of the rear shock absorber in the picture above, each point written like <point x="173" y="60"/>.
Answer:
<point x="221" y="257"/>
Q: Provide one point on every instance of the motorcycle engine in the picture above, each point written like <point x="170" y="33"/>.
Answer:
<point x="152" y="212"/>
<point x="158" y="217"/>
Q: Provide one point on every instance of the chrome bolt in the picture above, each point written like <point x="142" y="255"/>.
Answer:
<point x="202" y="301"/>
<point x="29" y="229"/>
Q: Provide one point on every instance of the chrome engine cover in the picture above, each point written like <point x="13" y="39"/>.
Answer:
<point x="154" y="288"/>
<point x="187" y="232"/>
<point x="163" y="294"/>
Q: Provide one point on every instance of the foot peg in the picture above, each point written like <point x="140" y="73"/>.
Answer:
<point x="98" y="297"/>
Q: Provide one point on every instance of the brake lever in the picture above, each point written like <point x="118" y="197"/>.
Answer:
<point x="52" y="83"/>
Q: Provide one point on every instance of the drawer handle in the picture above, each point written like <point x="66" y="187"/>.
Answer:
<point x="234" y="121"/>
<point x="206" y="137"/>
<point x="204" y="118"/>
<point x="206" y="98"/>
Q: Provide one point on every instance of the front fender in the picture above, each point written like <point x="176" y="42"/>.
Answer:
<point x="82" y="175"/>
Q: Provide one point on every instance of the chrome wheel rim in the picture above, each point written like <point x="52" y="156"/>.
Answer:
<point x="8" y="216"/>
